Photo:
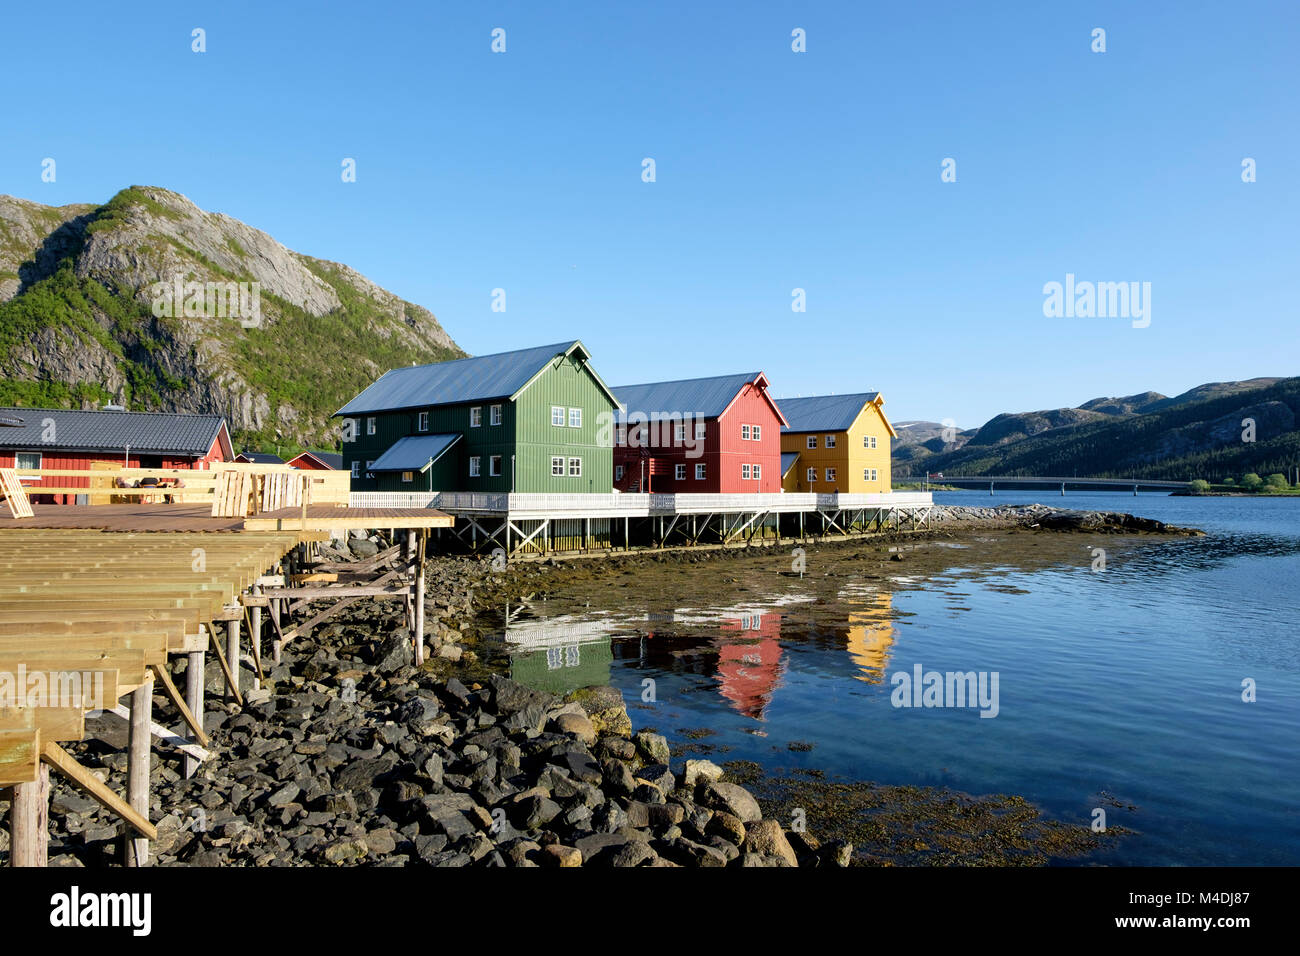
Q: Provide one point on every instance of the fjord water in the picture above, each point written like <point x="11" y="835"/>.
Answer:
<point x="1120" y="690"/>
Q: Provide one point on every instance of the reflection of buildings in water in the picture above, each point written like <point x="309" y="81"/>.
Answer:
<point x="870" y="635"/>
<point x="560" y="656"/>
<point x="749" y="661"/>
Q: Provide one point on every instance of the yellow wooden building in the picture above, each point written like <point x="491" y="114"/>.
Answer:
<point x="836" y="443"/>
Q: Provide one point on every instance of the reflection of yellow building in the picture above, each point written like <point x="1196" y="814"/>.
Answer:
<point x="836" y="443"/>
<point x="870" y="636"/>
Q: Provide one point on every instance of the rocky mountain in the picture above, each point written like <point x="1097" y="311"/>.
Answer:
<point x="151" y="298"/>
<point x="1201" y="433"/>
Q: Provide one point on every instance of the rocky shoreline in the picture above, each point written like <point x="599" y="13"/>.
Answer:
<point x="353" y="756"/>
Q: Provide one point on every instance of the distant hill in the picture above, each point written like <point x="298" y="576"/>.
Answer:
<point x="80" y="288"/>
<point x="1197" y="434"/>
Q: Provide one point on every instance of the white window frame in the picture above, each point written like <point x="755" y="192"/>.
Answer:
<point x="744" y="472"/>
<point x="679" y="432"/>
<point x="679" y="472"/>
<point x="557" y="416"/>
<point x="370" y="464"/>
<point x="830" y="441"/>
<point x="699" y="471"/>
<point x="423" y="423"/>
<point x="476" y="466"/>
<point x="356" y="468"/>
<point x="758" y="472"/>
<point x="744" y="433"/>
<point x="811" y="476"/>
<point x="557" y="466"/>
<point x="811" y="442"/>
<point x="494" y="466"/>
<point x="700" y="429"/>
<point x="575" y="417"/>
<point x="575" y="472"/>
<point x="757" y="432"/>
<point x="619" y="471"/>
<point x="408" y="476"/>
<point x="830" y="474"/>
<point x="370" y="425"/>
<point x="868" y="441"/>
<point x="40" y="458"/>
<point x="476" y="416"/>
<point x="494" y="414"/>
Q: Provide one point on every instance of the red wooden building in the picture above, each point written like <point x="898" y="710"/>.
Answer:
<point x="317" y="461"/>
<point x="60" y="438"/>
<point x="719" y="434"/>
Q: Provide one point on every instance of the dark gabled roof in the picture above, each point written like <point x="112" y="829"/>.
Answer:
<point x="693" y="397"/>
<point x="261" y="458"/>
<point x="477" y="379"/>
<point x="414" y="452"/>
<point x="148" y="433"/>
<point x="330" y="459"/>
<point x="825" y="413"/>
<point x="788" y="458"/>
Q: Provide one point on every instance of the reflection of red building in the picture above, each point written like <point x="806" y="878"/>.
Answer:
<point x="749" y="661"/>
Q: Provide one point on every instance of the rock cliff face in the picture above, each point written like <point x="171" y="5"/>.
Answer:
<point x="177" y="308"/>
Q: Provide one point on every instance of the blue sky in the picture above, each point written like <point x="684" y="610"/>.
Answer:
<point x="775" y="170"/>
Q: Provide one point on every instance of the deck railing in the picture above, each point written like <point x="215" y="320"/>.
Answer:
<point x="100" y="485"/>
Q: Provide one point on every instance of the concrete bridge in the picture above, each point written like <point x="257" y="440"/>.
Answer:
<point x="1021" y="481"/>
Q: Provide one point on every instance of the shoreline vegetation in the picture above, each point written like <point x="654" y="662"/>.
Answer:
<point x="350" y="755"/>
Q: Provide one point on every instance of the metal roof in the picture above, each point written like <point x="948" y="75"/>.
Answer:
<point x="413" y="452"/>
<point x="148" y="433"/>
<point x="824" y="413"/>
<point x="696" y="397"/>
<point x="261" y="458"/>
<point x="476" y="379"/>
<point x="788" y="458"/>
<point x="331" y="458"/>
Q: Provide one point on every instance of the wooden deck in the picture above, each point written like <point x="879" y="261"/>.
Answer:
<point x="325" y="518"/>
<point x="198" y="518"/>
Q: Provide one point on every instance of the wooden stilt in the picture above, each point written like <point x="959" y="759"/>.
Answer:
<point x="194" y="698"/>
<point x="232" y="658"/>
<point x="139" y="751"/>
<point x="419" y="604"/>
<point x="255" y="638"/>
<point x="278" y="625"/>
<point x="29" y="821"/>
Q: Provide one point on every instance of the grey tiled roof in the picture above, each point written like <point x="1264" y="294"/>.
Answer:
<point x="148" y="433"/>
<point x="262" y="458"/>
<point x="824" y="413"/>
<point x="474" y="379"/>
<point x="696" y="397"/>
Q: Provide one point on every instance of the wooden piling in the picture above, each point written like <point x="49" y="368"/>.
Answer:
<point x="139" y="752"/>
<point x="232" y="658"/>
<point x="419" y="603"/>
<point x="255" y="637"/>
<point x="194" y="679"/>
<point x="29" y="821"/>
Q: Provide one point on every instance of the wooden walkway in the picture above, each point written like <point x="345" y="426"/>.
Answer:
<point x="94" y="600"/>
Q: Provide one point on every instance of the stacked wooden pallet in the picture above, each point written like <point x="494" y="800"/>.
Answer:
<point x="87" y="617"/>
<point x="12" y="489"/>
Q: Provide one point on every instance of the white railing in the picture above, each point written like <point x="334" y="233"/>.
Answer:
<point x="630" y="505"/>
<point x="392" y="499"/>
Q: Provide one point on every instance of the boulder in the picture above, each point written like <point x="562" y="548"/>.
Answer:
<point x="766" y="838"/>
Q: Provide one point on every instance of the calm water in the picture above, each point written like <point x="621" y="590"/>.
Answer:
<point x="1121" y="690"/>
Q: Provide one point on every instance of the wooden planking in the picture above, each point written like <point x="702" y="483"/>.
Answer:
<point x="20" y="756"/>
<point x="13" y="491"/>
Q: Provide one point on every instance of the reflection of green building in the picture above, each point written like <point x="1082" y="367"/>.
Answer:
<point x="560" y="656"/>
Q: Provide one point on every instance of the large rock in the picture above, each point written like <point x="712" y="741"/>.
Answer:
<point x="766" y="838"/>
<point x="653" y="747"/>
<point x="395" y="652"/>
<point x="700" y="771"/>
<point x="605" y="708"/>
<point x="579" y="725"/>
<point x="732" y="798"/>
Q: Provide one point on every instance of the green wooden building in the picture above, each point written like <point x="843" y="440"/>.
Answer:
<point x="535" y="420"/>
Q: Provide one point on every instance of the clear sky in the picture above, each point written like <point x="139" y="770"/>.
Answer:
<point x="775" y="170"/>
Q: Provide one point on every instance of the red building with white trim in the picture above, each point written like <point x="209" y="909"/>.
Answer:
<point x="720" y="434"/>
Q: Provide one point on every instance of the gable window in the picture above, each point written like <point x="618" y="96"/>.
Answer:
<point x="575" y="467"/>
<point x="744" y="432"/>
<point x="475" y="466"/>
<point x="356" y="469"/>
<point x="494" y="465"/>
<point x="744" y="472"/>
<point x="679" y="472"/>
<point x="557" y="467"/>
<point x="811" y="476"/>
<point x="475" y="417"/>
<point x="699" y="472"/>
<point x="699" y="431"/>
<point x="758" y="472"/>
<point x="830" y="441"/>
<point x="812" y="441"/>
<point x="424" y="421"/>
<point x="494" y="415"/>
<point x="370" y="425"/>
<point x="408" y="476"/>
<point x="868" y="474"/>
<point x="28" y="459"/>
<point x="575" y="418"/>
<point x="830" y="474"/>
<point x="618" y="472"/>
<point x="557" y="416"/>
<point x="758" y="433"/>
